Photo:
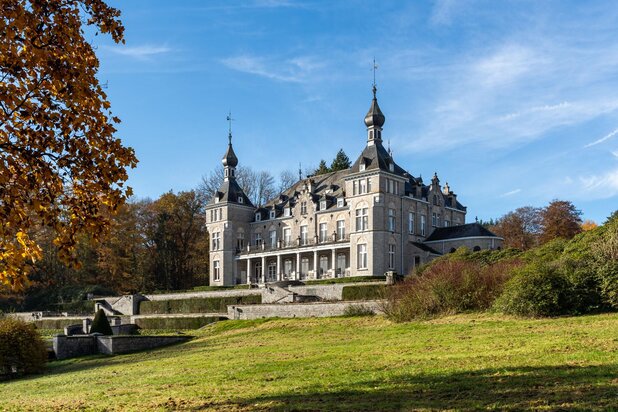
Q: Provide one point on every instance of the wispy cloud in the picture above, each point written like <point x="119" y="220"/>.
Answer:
<point x="603" y="139"/>
<point x="139" y="52"/>
<point x="297" y="69"/>
<point x="615" y="153"/>
<point x="601" y="186"/>
<point x="511" y="193"/>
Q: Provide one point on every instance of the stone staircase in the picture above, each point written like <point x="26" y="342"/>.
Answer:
<point x="279" y="293"/>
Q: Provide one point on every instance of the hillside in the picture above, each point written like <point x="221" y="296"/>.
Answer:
<point x="364" y="363"/>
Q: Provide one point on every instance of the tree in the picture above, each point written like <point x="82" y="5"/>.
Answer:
<point x="286" y="179"/>
<point x="322" y="168"/>
<point x="264" y="187"/>
<point x="589" y="225"/>
<point x="560" y="219"/>
<point x="520" y="228"/>
<point x="258" y="186"/>
<point x="60" y="164"/>
<point x="340" y="162"/>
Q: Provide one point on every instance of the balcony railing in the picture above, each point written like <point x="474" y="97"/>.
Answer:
<point x="294" y="244"/>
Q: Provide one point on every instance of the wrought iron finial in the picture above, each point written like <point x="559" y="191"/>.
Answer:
<point x="375" y="67"/>
<point x="229" y="119"/>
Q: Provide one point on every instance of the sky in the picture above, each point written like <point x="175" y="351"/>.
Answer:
<point x="513" y="103"/>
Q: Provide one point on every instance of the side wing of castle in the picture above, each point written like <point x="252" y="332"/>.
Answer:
<point x="364" y="221"/>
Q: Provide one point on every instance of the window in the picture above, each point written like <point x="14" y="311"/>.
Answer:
<point x="272" y="270"/>
<point x="216" y="269"/>
<point x="287" y="236"/>
<point x="258" y="217"/>
<point x="323" y="264"/>
<point x="362" y="220"/>
<point x="304" y="233"/>
<point x="423" y="224"/>
<point x="287" y="212"/>
<point x="258" y="270"/>
<point x="323" y="205"/>
<point x="411" y="223"/>
<point x="341" y="229"/>
<point x="287" y="267"/>
<point x="391" y="186"/>
<point x="435" y="200"/>
<point x="272" y="214"/>
<point x="272" y="237"/>
<point x="240" y="240"/>
<point x="340" y="202"/>
<point x="391" y="166"/>
<point x="391" y="256"/>
<point x="304" y="266"/>
<point x="341" y="264"/>
<point x="240" y="199"/>
<point x="446" y="223"/>
<point x="323" y="232"/>
<point x="362" y="186"/>
<point x="434" y="219"/>
<point x="391" y="220"/>
<point x="368" y="184"/>
<point x="303" y="208"/>
<point x="212" y="215"/>
<point x="361" y="250"/>
<point x="354" y="187"/>
<point x="258" y="239"/>
<point x="361" y="167"/>
<point x="216" y="240"/>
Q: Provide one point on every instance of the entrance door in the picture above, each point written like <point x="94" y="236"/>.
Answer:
<point x="323" y="265"/>
<point x="341" y="264"/>
<point x="304" y="267"/>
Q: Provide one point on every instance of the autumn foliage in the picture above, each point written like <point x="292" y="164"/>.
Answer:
<point x="61" y="166"/>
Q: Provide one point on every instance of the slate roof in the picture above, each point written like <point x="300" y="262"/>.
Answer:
<point x="460" y="231"/>
<point x="230" y="191"/>
<point x="426" y="248"/>
<point x="375" y="157"/>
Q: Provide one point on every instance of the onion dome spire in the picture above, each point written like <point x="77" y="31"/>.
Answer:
<point x="374" y="117"/>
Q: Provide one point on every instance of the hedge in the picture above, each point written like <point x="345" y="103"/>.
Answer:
<point x="176" y="323"/>
<point x="195" y="305"/>
<point x="363" y="292"/>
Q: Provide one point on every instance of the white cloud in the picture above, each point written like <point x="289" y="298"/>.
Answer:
<point x="139" y="52"/>
<point x="603" y="139"/>
<point x="615" y="153"/>
<point x="601" y="186"/>
<point x="511" y="193"/>
<point x="297" y="69"/>
<point x="506" y="65"/>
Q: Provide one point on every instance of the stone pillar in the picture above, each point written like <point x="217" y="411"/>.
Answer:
<point x="315" y="264"/>
<point x="263" y="269"/>
<point x="279" y="274"/>
<point x="248" y="271"/>
<point x="297" y="266"/>
<point x="333" y="263"/>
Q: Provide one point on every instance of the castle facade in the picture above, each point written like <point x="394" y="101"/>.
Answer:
<point x="367" y="220"/>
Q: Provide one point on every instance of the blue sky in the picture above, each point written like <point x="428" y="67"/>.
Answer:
<point x="511" y="103"/>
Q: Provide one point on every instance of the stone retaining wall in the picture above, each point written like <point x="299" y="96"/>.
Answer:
<point x="297" y="310"/>
<point x="206" y="294"/>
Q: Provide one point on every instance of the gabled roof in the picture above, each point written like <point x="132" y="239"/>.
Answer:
<point x="230" y="191"/>
<point x="459" y="231"/>
<point x="375" y="157"/>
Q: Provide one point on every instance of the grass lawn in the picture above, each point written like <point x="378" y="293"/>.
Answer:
<point x="358" y="364"/>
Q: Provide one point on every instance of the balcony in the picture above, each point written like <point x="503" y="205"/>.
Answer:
<point x="298" y="244"/>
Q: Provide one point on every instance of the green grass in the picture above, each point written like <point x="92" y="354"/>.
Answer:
<point x="174" y="323"/>
<point x="353" y="279"/>
<point x="466" y="362"/>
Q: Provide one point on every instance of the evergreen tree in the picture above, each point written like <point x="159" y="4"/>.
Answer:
<point x="100" y="324"/>
<point x="340" y="162"/>
<point x="322" y="168"/>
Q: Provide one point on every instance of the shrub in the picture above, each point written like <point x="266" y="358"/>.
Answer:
<point x="363" y="292"/>
<point x="538" y="289"/>
<point x="358" y="310"/>
<point x="447" y="287"/>
<point x="22" y="350"/>
<point x="100" y="324"/>
<point x="196" y="305"/>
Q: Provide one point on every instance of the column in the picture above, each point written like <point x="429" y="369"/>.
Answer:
<point x="248" y="271"/>
<point x="279" y="274"/>
<point x="333" y="263"/>
<point x="263" y="269"/>
<point x="297" y="266"/>
<point x="315" y="264"/>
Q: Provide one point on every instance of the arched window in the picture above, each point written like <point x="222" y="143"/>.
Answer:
<point x="476" y="249"/>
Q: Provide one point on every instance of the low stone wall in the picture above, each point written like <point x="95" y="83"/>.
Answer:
<point x="331" y="293"/>
<point x="180" y="321"/>
<point x="298" y="310"/>
<point x="113" y="345"/>
<point x="207" y="294"/>
<point x="73" y="346"/>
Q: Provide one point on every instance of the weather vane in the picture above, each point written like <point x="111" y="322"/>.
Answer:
<point x="229" y="119"/>
<point x="375" y="67"/>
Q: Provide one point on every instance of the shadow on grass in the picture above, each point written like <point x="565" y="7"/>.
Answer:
<point x="548" y="388"/>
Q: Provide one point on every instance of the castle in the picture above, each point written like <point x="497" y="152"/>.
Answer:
<point x="366" y="220"/>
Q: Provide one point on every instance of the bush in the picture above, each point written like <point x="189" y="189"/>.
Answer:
<point x="100" y="324"/>
<point x="358" y="310"/>
<point x="195" y="305"/>
<point x="363" y="292"/>
<point x="22" y="350"/>
<point x="447" y="287"/>
<point x="538" y="289"/>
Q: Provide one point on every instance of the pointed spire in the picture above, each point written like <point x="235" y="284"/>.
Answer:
<point x="230" y="161"/>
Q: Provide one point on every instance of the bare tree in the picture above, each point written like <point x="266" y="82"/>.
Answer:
<point x="258" y="186"/>
<point x="264" y="187"/>
<point x="286" y="179"/>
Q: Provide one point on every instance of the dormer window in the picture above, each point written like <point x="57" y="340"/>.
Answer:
<point x="303" y="208"/>
<point x="272" y="214"/>
<point x="217" y="199"/>
<point x="258" y="217"/>
<point x="240" y="199"/>
<point x="323" y="205"/>
<point x="287" y="211"/>
<point x="361" y="167"/>
<point x="340" y="202"/>
<point x="391" y="166"/>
